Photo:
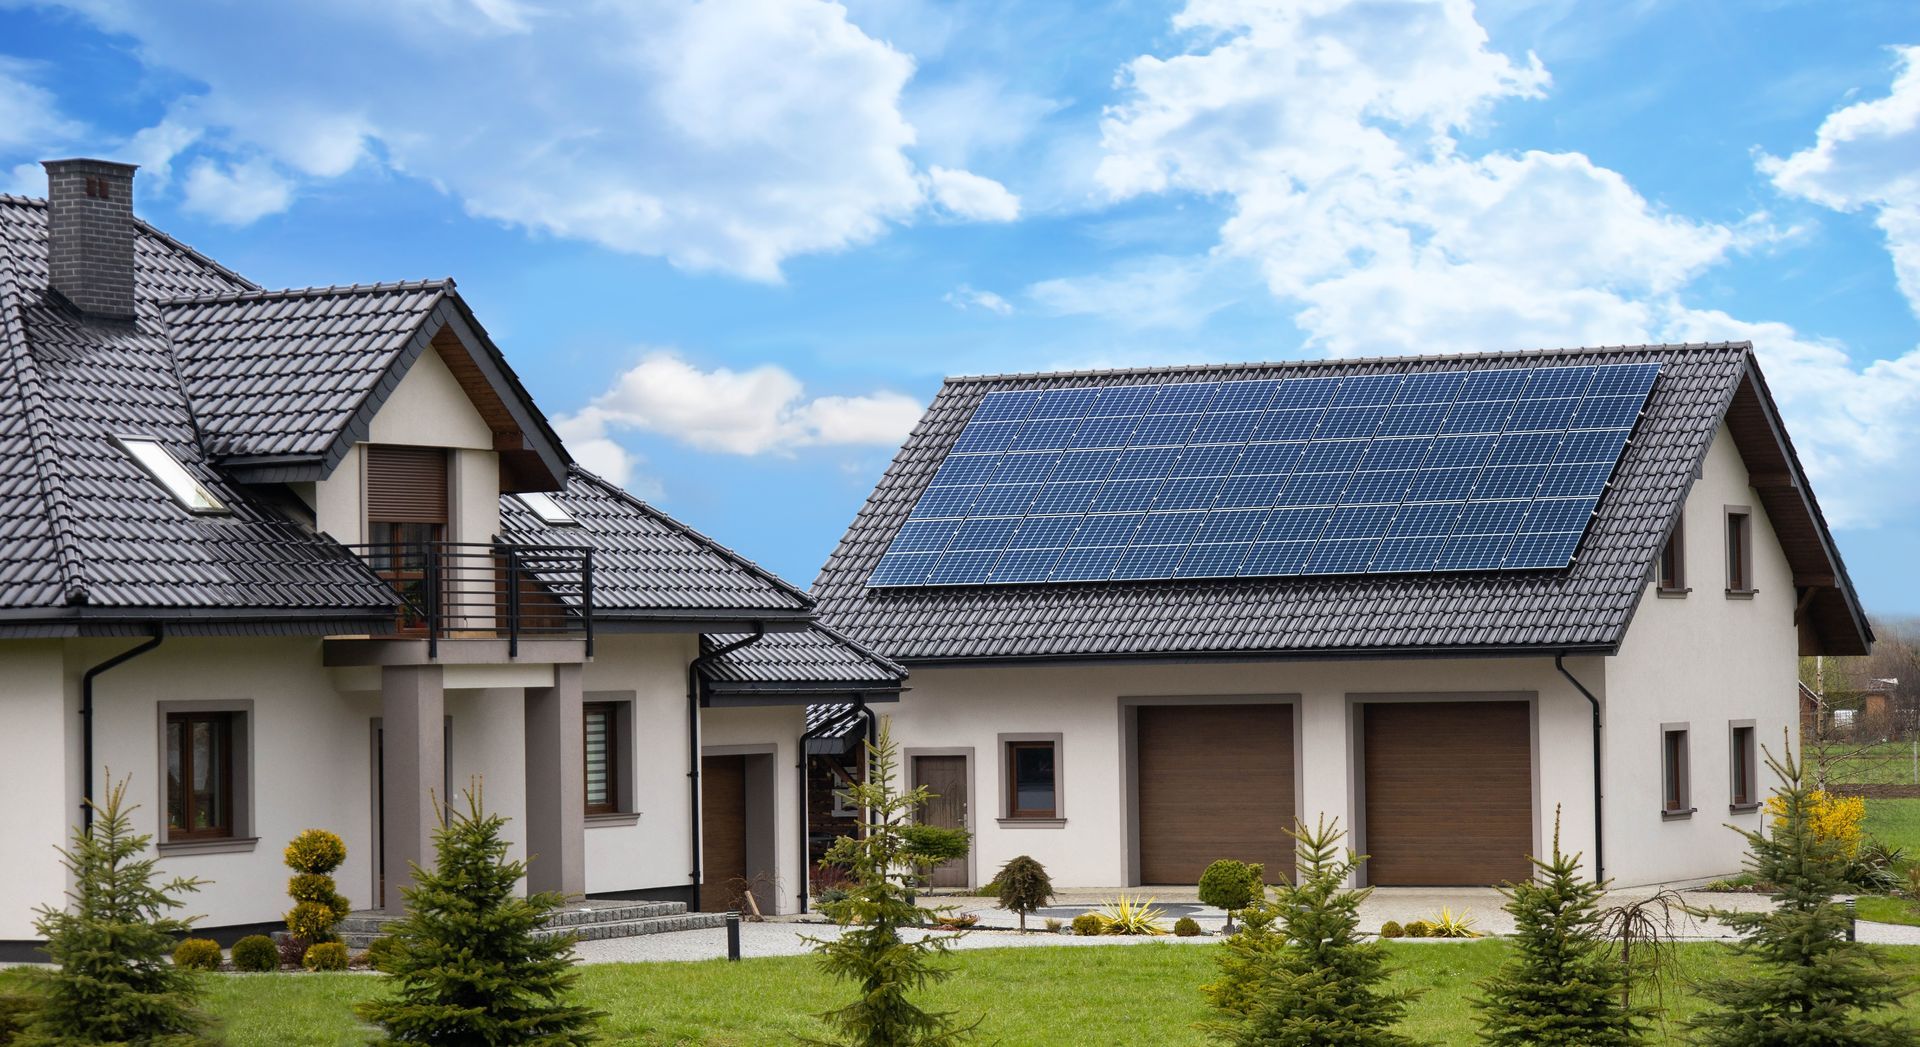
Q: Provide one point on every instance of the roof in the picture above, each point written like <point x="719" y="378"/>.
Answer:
<point x="649" y="567"/>
<point x="87" y="537"/>
<point x="816" y="661"/>
<point x="1585" y="607"/>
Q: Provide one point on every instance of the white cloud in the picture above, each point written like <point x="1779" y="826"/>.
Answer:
<point x="1867" y="155"/>
<point x="236" y="194"/>
<point x="971" y="196"/>
<point x="967" y="297"/>
<point x="722" y="136"/>
<point x="758" y="411"/>
<point x="30" y="117"/>
<point x="1162" y="291"/>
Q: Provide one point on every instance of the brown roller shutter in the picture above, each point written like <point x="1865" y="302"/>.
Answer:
<point x="1215" y="781"/>
<point x="1449" y="798"/>
<point x="406" y="484"/>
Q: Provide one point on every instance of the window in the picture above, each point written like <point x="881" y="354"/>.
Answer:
<point x="549" y="511"/>
<point x="1739" y="551"/>
<point x="1033" y="779"/>
<point x="1673" y="561"/>
<point x="170" y="474"/>
<point x="1673" y="771"/>
<point x="1745" y="790"/>
<point x="603" y="751"/>
<point x="200" y="775"/>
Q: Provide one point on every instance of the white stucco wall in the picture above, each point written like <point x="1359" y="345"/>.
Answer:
<point x="776" y="729"/>
<point x="654" y="852"/>
<point x="42" y="797"/>
<point x="1704" y="660"/>
<point x="489" y="743"/>
<point x="969" y="708"/>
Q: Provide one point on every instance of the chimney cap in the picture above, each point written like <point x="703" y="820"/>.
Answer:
<point x="76" y="161"/>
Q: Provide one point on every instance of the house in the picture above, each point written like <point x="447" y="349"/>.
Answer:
<point x="313" y="558"/>
<point x="1156" y="616"/>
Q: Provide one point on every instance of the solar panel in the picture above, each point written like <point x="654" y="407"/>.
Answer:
<point x="1494" y="469"/>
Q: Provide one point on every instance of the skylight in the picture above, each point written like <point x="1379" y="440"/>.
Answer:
<point x="167" y="470"/>
<point x="549" y="511"/>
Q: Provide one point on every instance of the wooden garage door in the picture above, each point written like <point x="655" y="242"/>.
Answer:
<point x="723" y="830"/>
<point x="1449" y="793"/>
<point x="1215" y="781"/>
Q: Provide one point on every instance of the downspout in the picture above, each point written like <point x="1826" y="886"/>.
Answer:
<point x="693" y="745"/>
<point x="1599" y="834"/>
<point x="86" y="722"/>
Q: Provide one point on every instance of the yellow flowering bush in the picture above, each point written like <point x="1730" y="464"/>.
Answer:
<point x="1836" y="819"/>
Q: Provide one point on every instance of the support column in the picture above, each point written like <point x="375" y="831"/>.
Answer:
<point x="556" y="791"/>
<point x="413" y="763"/>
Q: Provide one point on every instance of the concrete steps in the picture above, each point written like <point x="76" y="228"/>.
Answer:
<point x="587" y="921"/>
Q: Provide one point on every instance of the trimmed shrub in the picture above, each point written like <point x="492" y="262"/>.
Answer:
<point x="1186" y="927"/>
<point x="1088" y="924"/>
<point x="257" y="953"/>
<point x="325" y="956"/>
<point x="1023" y="887"/>
<point x="382" y="953"/>
<point x="318" y="905"/>
<point x="316" y="851"/>
<point x="1391" y="929"/>
<point x="311" y="922"/>
<point x="1418" y="929"/>
<point x="1232" y="885"/>
<point x="200" y="954"/>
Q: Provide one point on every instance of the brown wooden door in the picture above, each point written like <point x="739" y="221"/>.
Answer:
<point x="1215" y="781"/>
<point x="946" y="778"/>
<point x="723" y="830"/>
<point x="1449" y="793"/>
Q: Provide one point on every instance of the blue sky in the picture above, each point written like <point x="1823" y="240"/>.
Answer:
<point x="733" y="247"/>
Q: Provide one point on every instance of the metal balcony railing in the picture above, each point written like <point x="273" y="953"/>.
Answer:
<point x="469" y="590"/>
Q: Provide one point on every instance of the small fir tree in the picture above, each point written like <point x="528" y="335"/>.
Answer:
<point x="1559" y="983"/>
<point x="112" y="943"/>
<point x="1232" y="885"/>
<point x="1025" y="887"/>
<point x="1807" y="983"/>
<point x="1299" y="973"/>
<point x="471" y="967"/>
<point x="870" y="952"/>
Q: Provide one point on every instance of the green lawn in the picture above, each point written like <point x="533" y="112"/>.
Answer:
<point x="1896" y="823"/>
<point x="1065" y="995"/>
<point x="1888" y="763"/>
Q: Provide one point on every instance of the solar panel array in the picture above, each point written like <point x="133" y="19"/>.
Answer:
<point x="1496" y="469"/>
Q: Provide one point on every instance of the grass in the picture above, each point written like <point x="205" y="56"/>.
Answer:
<point x="1887" y="763"/>
<point x="1146" y="993"/>
<point x="1895" y="823"/>
<point x="1883" y="909"/>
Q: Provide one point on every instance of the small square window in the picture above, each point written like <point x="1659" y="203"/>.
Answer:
<point x="1739" y="551"/>
<point x="549" y="510"/>
<point x="1744" y="786"/>
<point x="1033" y="779"/>
<point x="171" y="475"/>
<point x="1674" y="802"/>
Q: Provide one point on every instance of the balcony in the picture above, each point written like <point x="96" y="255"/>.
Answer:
<point x="463" y="590"/>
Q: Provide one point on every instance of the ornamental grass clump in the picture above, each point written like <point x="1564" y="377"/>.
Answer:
<point x="1560" y="984"/>
<point x="884" y="967"/>
<point x="1805" y="983"/>
<point x="1126" y="915"/>
<point x="472" y="966"/>
<point x="112" y="942"/>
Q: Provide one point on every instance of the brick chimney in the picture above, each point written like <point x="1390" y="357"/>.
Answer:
<point x="90" y="232"/>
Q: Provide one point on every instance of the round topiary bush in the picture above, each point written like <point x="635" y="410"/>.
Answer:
<point x="318" y="904"/>
<point x="382" y="952"/>
<point x="1231" y="885"/>
<point x="257" y="953"/>
<point x="1418" y="929"/>
<point x="316" y="851"/>
<point x="1088" y="924"/>
<point x="201" y="954"/>
<point x="311" y="922"/>
<point x="326" y="956"/>
<point x="1391" y="929"/>
<point x="1186" y="927"/>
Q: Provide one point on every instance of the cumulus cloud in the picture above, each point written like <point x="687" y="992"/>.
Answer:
<point x="967" y="297"/>
<point x="758" y="411"/>
<point x="236" y="194"/>
<point x="1867" y="155"/>
<point x="1161" y="291"/>
<point x="31" y="124"/>
<point x="723" y="137"/>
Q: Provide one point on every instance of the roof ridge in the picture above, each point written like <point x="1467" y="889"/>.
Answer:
<point x="859" y="648"/>
<point x="1503" y="354"/>
<point x="13" y="340"/>
<point x="622" y="493"/>
<point x="329" y="291"/>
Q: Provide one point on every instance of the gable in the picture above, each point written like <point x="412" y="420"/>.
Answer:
<point x="430" y="408"/>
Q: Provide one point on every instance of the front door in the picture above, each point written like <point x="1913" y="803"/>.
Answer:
<point x="723" y="831"/>
<point x="946" y="778"/>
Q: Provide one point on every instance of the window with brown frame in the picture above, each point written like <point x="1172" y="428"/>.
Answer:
<point x="1739" y="551"/>
<point x="1744" y="786"/>
<point x="1032" y="781"/>
<point x="1673" y="771"/>
<point x="1673" y="560"/>
<point x="603" y="757"/>
<point x="200" y="758"/>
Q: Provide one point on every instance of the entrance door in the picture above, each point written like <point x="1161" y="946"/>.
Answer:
<point x="946" y="778"/>
<point x="723" y="830"/>
<point x="1215" y="781"/>
<point x="1449" y="793"/>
